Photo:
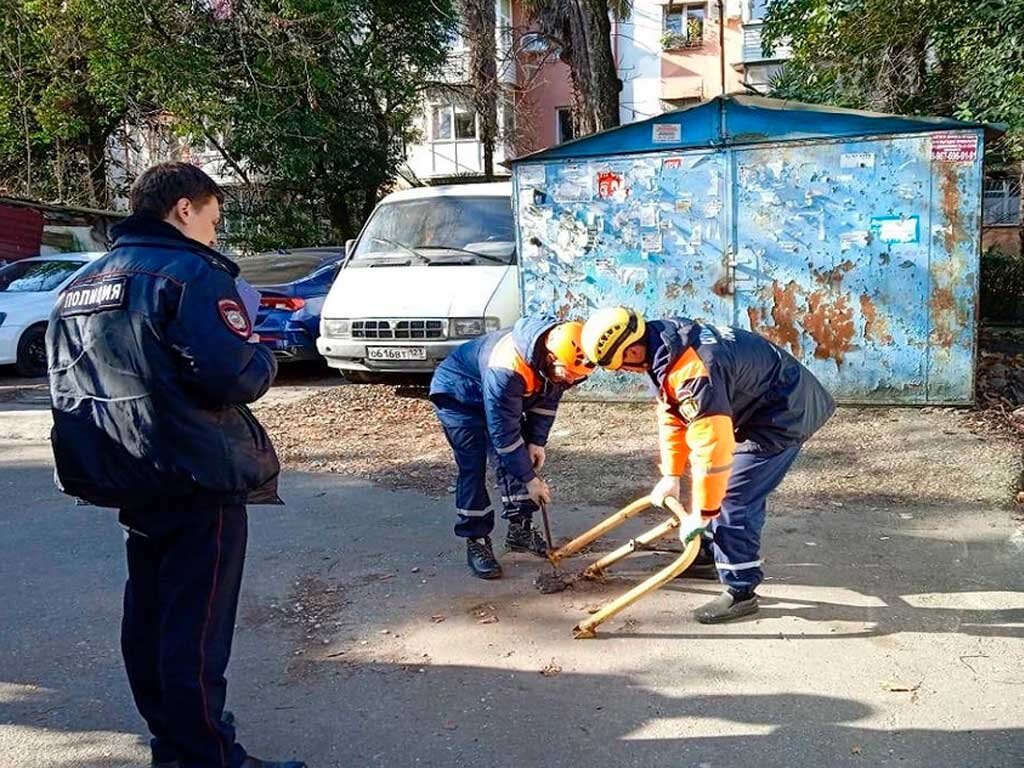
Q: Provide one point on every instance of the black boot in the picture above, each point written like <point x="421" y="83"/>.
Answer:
<point x="728" y="606"/>
<point x="702" y="568"/>
<point x="523" y="537"/>
<point x="481" y="559"/>
<point x="254" y="762"/>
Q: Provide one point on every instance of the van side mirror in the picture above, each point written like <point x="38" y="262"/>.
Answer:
<point x="350" y="246"/>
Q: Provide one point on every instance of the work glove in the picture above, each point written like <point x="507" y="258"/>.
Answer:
<point x="537" y="456"/>
<point x="667" y="487"/>
<point x="539" y="491"/>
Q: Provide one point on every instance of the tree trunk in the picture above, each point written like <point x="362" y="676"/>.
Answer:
<point x="603" y="78"/>
<point x="96" y="156"/>
<point x="481" y="34"/>
<point x="339" y="211"/>
<point x="583" y="29"/>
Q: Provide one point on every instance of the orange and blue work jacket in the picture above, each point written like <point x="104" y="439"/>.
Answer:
<point x="496" y="382"/>
<point x="722" y="391"/>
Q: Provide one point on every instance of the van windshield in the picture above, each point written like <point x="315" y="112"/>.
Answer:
<point x="438" y="231"/>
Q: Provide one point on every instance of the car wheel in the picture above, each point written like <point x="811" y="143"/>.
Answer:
<point x="362" y="377"/>
<point x="32" y="352"/>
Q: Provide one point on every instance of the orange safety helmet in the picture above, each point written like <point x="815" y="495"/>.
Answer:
<point x="565" y="346"/>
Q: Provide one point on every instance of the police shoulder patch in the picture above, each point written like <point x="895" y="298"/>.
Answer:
<point x="234" y="317"/>
<point x="94" y="296"/>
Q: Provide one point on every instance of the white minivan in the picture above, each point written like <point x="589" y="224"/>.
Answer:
<point x="432" y="267"/>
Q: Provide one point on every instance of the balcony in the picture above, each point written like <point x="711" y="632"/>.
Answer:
<point x="688" y="37"/>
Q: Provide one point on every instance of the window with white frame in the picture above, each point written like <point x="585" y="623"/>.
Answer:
<point x="684" y="25"/>
<point x="758" y="9"/>
<point x="504" y="16"/>
<point x="1001" y="203"/>
<point x="507" y="117"/>
<point x="452" y="121"/>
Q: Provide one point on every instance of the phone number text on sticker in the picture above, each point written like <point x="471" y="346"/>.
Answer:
<point x="955" y="148"/>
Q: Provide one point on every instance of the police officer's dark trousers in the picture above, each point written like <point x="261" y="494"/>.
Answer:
<point x="184" y="573"/>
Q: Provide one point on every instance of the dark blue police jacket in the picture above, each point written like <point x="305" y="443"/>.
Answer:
<point x="150" y="372"/>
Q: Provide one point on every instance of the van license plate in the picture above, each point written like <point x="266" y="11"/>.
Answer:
<point x="396" y="353"/>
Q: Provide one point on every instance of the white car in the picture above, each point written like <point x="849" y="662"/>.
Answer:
<point x="28" y="291"/>
<point x="433" y="267"/>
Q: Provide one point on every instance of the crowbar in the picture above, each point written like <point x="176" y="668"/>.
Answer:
<point x="690" y="527"/>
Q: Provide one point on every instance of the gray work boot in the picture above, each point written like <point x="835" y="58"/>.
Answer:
<point x="727" y="607"/>
<point x="523" y="537"/>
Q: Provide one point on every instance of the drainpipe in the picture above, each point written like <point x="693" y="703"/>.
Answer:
<point x="721" y="65"/>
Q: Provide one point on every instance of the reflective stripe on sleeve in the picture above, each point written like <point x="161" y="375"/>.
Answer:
<point x="509" y="448"/>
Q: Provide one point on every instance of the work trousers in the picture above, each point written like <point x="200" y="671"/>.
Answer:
<point x="737" y="530"/>
<point x="180" y="602"/>
<point x="472" y="448"/>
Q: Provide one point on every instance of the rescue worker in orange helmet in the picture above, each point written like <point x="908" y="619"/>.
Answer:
<point x="496" y="396"/>
<point x="739" y="409"/>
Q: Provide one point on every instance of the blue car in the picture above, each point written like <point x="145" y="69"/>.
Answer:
<point x="293" y="285"/>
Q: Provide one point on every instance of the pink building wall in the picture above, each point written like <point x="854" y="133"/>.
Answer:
<point x="696" y="73"/>
<point x="543" y="88"/>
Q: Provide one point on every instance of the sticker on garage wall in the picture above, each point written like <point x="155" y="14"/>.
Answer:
<point x="650" y="242"/>
<point x="855" y="239"/>
<point x="573" y="184"/>
<point x="955" y="148"/>
<point x="671" y="164"/>
<point x="857" y="160"/>
<point x="896" y="230"/>
<point x="666" y="133"/>
<point x="532" y="176"/>
<point x="609" y="184"/>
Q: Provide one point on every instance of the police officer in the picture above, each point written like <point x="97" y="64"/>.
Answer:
<point x="497" y="396"/>
<point x="739" y="408"/>
<point x="152" y="361"/>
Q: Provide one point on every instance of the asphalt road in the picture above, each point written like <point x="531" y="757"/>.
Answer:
<point x="891" y="634"/>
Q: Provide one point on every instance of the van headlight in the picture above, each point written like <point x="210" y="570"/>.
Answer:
<point x="467" y="327"/>
<point x="335" y="329"/>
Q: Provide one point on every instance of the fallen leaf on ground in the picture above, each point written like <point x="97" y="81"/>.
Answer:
<point x="488" y="620"/>
<point x="896" y="687"/>
<point x="551" y="670"/>
<point x="438" y="618"/>
<point x="855" y="750"/>
<point x="450" y="725"/>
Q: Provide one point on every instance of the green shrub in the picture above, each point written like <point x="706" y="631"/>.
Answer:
<point x="1002" y="287"/>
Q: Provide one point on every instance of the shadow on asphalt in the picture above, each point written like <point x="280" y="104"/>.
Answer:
<point x="472" y="716"/>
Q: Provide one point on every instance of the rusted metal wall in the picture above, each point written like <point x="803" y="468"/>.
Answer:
<point x="858" y="256"/>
